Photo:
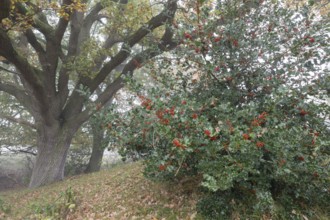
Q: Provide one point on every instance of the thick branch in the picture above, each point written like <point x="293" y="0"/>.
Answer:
<point x="18" y="120"/>
<point x="76" y="23"/>
<point x="33" y="41"/>
<point x="79" y="33"/>
<point x="88" y="22"/>
<point x="30" y="74"/>
<point x="73" y="47"/>
<point x="40" y="22"/>
<point x="6" y="70"/>
<point x="62" y="24"/>
<point x="54" y="51"/>
<point x="19" y="94"/>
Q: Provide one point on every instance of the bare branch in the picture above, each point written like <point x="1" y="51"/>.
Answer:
<point x="29" y="150"/>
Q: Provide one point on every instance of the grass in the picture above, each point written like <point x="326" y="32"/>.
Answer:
<point x="119" y="193"/>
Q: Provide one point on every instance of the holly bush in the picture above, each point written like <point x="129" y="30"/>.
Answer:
<point x="243" y="105"/>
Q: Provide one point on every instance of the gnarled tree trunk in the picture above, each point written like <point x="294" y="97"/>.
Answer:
<point x="53" y="145"/>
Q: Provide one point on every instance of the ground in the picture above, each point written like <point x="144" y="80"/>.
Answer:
<point x="119" y="193"/>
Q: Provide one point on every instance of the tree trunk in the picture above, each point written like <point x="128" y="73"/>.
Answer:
<point x="5" y="9"/>
<point x="53" y="144"/>
<point x="99" y="145"/>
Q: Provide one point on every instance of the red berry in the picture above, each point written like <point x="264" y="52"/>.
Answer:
<point x="213" y="138"/>
<point x="194" y="116"/>
<point x="146" y="103"/>
<point x="165" y="121"/>
<point x="311" y="39"/>
<point x="172" y="111"/>
<point x="301" y="158"/>
<point x="282" y="162"/>
<point x="187" y="36"/>
<point x="303" y="112"/>
<point x="246" y="137"/>
<point x="183" y="102"/>
<point x="262" y="116"/>
<point x="162" y="167"/>
<point x="148" y="107"/>
<point x="177" y="143"/>
<point x="255" y="122"/>
<point x="207" y="133"/>
<point x="235" y="43"/>
<point x="160" y="114"/>
<point x="217" y="39"/>
<point x="260" y="144"/>
<point x="217" y="68"/>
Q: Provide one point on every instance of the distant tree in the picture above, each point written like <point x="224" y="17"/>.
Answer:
<point x="100" y="141"/>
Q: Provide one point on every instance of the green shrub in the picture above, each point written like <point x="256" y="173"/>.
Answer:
<point x="252" y="123"/>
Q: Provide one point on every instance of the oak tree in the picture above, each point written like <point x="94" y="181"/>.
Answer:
<point x="60" y="62"/>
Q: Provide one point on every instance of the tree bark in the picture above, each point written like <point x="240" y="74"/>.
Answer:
<point x="53" y="145"/>
<point x="95" y="160"/>
<point x="5" y="9"/>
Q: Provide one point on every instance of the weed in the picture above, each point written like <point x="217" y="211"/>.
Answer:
<point x="4" y="207"/>
<point x="65" y="203"/>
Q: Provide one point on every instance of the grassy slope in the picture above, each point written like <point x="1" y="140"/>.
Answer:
<point x="119" y="193"/>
